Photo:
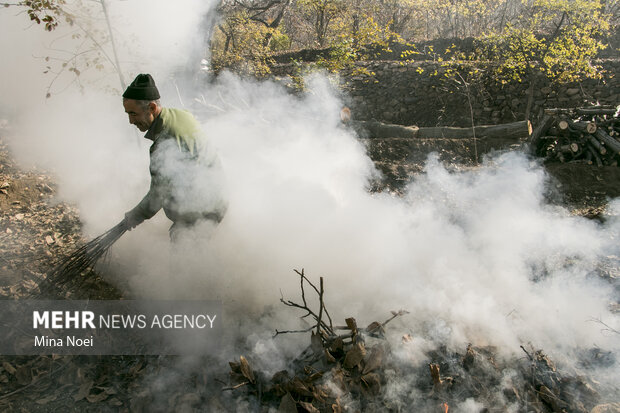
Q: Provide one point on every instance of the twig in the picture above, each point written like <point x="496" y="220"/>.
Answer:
<point x="528" y="354"/>
<point x="318" y="324"/>
<point x="278" y="332"/>
<point x="301" y="274"/>
<point x="607" y="327"/>
<point x="237" y="386"/>
<point x="394" y="315"/>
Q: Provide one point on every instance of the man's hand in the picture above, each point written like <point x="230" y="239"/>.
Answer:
<point x="132" y="220"/>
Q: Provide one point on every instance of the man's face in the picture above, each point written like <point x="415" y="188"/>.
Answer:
<point x="139" y="115"/>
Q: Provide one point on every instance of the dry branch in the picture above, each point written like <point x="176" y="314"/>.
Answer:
<point x="322" y="328"/>
<point x="73" y="267"/>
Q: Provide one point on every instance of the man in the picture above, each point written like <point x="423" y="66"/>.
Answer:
<point x="186" y="177"/>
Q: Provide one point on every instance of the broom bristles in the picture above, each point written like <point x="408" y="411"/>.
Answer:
<point x="81" y="260"/>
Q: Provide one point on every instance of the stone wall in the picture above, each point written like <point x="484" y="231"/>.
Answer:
<point x="418" y="93"/>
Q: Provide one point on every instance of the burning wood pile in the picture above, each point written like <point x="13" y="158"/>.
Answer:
<point x="589" y="135"/>
<point x="359" y="369"/>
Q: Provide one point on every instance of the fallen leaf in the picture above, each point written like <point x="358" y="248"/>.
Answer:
<point x="352" y="324"/>
<point x="336" y="407"/>
<point x="246" y="370"/>
<point x="280" y="377"/>
<point x="337" y="345"/>
<point x="9" y="368"/>
<point x="45" y="400"/>
<point x="308" y="407"/>
<point x="287" y="404"/>
<point x="298" y="387"/>
<point x="329" y="357"/>
<point x="316" y="343"/>
<point x="372" y="382"/>
<point x="115" y="402"/>
<point x="375" y="328"/>
<point x="23" y="374"/>
<point x="235" y="367"/>
<point x="83" y="391"/>
<point x="319" y="394"/>
<point x="96" y="398"/>
<point x="373" y="359"/>
<point x="188" y="401"/>
<point x="354" y="356"/>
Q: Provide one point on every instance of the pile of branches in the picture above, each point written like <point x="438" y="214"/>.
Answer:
<point x="352" y="368"/>
<point x="589" y="135"/>
<point x="339" y="364"/>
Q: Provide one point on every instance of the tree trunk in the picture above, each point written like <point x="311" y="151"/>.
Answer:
<point x="276" y="22"/>
<point x="514" y="130"/>
<point x="373" y="129"/>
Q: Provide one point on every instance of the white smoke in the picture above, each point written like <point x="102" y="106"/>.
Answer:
<point x="474" y="255"/>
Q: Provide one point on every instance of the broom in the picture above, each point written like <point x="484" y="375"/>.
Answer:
<point x="84" y="258"/>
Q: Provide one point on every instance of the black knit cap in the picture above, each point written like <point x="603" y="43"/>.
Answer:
<point x="142" y="88"/>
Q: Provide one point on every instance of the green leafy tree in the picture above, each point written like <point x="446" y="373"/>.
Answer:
<point x="359" y="37"/>
<point x="244" y="45"/>
<point x="555" y="39"/>
<point x="269" y="13"/>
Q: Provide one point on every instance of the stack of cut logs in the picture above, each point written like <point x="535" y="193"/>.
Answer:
<point x="589" y="135"/>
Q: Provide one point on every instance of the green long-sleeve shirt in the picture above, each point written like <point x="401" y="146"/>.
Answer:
<point x="186" y="176"/>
